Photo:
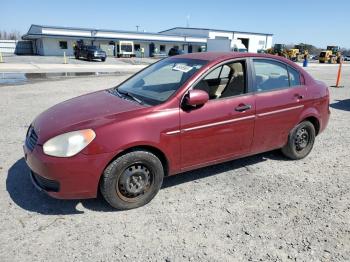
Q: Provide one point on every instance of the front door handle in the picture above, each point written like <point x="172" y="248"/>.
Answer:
<point x="298" y="96"/>
<point x="243" y="107"/>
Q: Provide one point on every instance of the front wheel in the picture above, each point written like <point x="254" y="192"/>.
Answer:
<point x="103" y="59"/>
<point x="132" y="180"/>
<point x="300" y="141"/>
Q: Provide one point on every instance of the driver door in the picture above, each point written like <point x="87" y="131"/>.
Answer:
<point x="223" y="127"/>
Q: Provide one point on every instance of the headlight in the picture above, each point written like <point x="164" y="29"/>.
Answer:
<point x="68" y="144"/>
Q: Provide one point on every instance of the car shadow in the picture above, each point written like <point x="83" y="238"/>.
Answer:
<point x="341" y="105"/>
<point x="26" y="196"/>
<point x="221" y="168"/>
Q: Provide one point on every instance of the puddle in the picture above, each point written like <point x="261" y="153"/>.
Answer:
<point x="23" y="78"/>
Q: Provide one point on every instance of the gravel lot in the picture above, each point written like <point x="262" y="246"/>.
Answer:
<point x="260" y="208"/>
<point x="34" y="59"/>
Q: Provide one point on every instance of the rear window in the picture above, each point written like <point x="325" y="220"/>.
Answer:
<point x="92" y="48"/>
<point x="294" y="77"/>
<point x="126" y="47"/>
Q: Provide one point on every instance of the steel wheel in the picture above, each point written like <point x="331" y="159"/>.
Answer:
<point x="134" y="182"/>
<point x="302" y="139"/>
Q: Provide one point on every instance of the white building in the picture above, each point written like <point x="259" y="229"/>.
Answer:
<point x="54" y="40"/>
<point x="252" y="41"/>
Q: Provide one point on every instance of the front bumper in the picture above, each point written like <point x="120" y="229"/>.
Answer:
<point x="44" y="184"/>
<point x="75" y="177"/>
<point x="99" y="56"/>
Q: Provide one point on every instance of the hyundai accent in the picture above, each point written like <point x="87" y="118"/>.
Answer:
<point x="176" y="115"/>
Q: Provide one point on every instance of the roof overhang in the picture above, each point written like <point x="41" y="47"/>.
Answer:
<point x="213" y="30"/>
<point x="36" y="32"/>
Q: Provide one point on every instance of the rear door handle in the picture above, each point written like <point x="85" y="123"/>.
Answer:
<point x="243" y="107"/>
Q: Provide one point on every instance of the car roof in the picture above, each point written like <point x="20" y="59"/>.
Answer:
<point x="221" y="56"/>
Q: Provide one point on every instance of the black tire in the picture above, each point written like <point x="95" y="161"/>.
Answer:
<point x="300" y="141"/>
<point x="103" y="59"/>
<point x="76" y="57"/>
<point x="89" y="58"/>
<point x="132" y="180"/>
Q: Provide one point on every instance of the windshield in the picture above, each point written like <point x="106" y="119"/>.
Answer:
<point x="126" y="47"/>
<point x="94" y="48"/>
<point x="159" y="81"/>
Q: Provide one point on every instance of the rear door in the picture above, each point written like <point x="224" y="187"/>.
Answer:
<point x="279" y="101"/>
<point x="223" y="127"/>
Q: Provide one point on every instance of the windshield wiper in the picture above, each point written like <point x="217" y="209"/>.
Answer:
<point x="129" y="95"/>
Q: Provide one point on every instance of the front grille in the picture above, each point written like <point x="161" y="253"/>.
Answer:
<point x="31" y="139"/>
<point x="46" y="184"/>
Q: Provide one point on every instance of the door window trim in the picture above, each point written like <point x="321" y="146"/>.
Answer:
<point x="248" y="79"/>
<point x="253" y="76"/>
<point x="290" y="83"/>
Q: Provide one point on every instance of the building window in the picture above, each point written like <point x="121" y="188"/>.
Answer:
<point x="63" y="44"/>
<point x="162" y="48"/>
<point x="137" y="47"/>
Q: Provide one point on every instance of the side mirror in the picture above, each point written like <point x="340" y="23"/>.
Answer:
<point x="196" y="97"/>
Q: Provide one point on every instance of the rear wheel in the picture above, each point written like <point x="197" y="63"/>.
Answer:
<point x="132" y="180"/>
<point x="300" y="141"/>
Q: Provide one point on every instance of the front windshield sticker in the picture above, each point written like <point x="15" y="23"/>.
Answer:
<point x="182" y="68"/>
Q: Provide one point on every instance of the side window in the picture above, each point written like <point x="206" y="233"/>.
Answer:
<point x="214" y="74"/>
<point x="225" y="81"/>
<point x="270" y="75"/>
<point x="294" y="77"/>
<point x="225" y="72"/>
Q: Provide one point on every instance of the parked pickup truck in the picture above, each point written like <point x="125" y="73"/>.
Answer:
<point x="90" y="53"/>
<point x="347" y="58"/>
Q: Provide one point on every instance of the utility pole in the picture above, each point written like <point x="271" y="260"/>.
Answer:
<point x="93" y="35"/>
<point x="137" y="28"/>
<point x="188" y="21"/>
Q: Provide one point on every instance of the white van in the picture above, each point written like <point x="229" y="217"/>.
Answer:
<point x="125" y="49"/>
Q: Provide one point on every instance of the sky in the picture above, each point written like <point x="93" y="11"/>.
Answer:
<point x="320" y="23"/>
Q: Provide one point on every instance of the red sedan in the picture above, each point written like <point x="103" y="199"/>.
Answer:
<point x="179" y="114"/>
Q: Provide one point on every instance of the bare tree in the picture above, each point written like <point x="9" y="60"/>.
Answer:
<point x="13" y="35"/>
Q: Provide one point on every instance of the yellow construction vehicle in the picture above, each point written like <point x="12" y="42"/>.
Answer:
<point x="278" y="49"/>
<point x="297" y="53"/>
<point x="332" y="55"/>
<point x="293" y="54"/>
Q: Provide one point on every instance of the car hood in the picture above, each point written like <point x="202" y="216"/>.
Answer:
<point x="86" y="111"/>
